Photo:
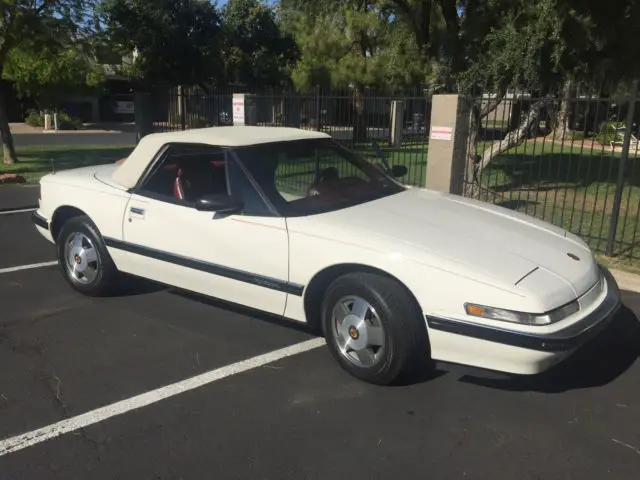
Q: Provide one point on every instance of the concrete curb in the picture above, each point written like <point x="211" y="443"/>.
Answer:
<point x="626" y="280"/>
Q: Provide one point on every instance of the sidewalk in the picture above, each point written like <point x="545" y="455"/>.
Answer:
<point x="106" y="127"/>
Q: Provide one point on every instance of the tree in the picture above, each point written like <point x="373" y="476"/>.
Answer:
<point x="29" y="25"/>
<point x="48" y="72"/>
<point x="433" y="25"/>
<point x="545" y="47"/>
<point x="169" y="42"/>
<point x="256" y="52"/>
<point x="351" y="44"/>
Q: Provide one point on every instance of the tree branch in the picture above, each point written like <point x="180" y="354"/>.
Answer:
<point x="452" y="22"/>
<point x="516" y="136"/>
<point x="491" y="105"/>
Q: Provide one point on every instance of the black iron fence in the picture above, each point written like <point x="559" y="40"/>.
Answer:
<point x="571" y="161"/>
<point x="361" y="124"/>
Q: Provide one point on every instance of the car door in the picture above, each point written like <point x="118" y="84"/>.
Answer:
<point x="240" y="257"/>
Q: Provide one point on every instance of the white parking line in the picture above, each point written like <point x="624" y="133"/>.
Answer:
<point x="27" y="267"/>
<point x="34" y="437"/>
<point x="22" y="210"/>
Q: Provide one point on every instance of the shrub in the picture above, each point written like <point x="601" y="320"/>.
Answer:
<point x="34" y="119"/>
<point x="608" y="133"/>
<point x="65" y="121"/>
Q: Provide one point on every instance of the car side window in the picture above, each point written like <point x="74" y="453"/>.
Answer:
<point x="299" y="171"/>
<point x="186" y="172"/>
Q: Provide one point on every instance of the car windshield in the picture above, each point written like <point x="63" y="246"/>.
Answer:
<point x="304" y="177"/>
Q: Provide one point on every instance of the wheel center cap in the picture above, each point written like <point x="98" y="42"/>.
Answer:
<point x="353" y="332"/>
<point x="78" y="259"/>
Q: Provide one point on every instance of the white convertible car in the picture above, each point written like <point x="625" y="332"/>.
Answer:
<point x="288" y="222"/>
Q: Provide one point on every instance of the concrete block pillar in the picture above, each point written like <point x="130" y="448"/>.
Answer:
<point x="245" y="109"/>
<point x="448" y="142"/>
<point x="397" y="120"/>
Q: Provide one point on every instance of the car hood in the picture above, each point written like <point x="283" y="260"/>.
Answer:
<point x="510" y="249"/>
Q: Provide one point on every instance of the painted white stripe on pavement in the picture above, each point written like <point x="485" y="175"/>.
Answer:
<point x="22" y="210"/>
<point x="28" y="267"/>
<point x="34" y="437"/>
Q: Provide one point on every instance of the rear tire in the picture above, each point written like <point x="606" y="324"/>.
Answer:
<point x="374" y="329"/>
<point x="84" y="260"/>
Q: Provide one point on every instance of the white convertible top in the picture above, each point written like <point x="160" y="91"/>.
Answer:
<point x="128" y="173"/>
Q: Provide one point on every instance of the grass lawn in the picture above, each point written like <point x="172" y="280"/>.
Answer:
<point x="571" y="187"/>
<point x="412" y="154"/>
<point x="34" y="162"/>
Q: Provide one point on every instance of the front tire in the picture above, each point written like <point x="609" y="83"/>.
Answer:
<point x="83" y="258"/>
<point x="374" y="329"/>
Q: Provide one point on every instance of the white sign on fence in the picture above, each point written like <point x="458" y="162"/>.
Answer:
<point x="238" y="111"/>
<point x="441" y="133"/>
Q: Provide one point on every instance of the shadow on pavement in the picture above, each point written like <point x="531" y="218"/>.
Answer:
<point x="131" y="286"/>
<point x="596" y="364"/>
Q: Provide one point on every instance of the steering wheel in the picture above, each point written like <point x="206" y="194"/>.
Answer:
<point x="325" y="177"/>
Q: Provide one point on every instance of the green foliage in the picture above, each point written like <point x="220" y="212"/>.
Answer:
<point x="51" y="71"/>
<point x="37" y="21"/>
<point x="169" y="42"/>
<point x="513" y="43"/>
<point x="538" y="44"/>
<point x="36" y="29"/>
<point x="65" y="121"/>
<point x="351" y="42"/>
<point x="256" y="52"/>
<point x="608" y="133"/>
<point x="46" y="54"/>
<point x="34" y="119"/>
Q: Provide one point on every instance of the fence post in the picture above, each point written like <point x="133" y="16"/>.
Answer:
<point x="449" y="132"/>
<point x="397" y="123"/>
<point x="617" y="199"/>
<point x="318" y="115"/>
<point x="143" y="113"/>
<point x="181" y="105"/>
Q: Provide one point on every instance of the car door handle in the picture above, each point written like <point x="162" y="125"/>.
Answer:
<point x="136" y="212"/>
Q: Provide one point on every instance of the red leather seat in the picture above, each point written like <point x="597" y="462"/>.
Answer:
<point x="178" y="185"/>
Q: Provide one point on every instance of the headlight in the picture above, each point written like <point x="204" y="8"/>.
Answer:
<point x="521" y="317"/>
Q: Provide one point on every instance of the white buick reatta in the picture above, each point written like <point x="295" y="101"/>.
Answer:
<point x="288" y="222"/>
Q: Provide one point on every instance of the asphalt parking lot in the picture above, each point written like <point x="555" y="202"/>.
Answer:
<point x="63" y="355"/>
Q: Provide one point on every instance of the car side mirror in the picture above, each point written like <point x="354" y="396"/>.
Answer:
<point x="218" y="203"/>
<point x="399" y="170"/>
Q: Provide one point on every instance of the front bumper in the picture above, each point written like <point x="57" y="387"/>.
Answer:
<point x="42" y="225"/>
<point x="519" y="352"/>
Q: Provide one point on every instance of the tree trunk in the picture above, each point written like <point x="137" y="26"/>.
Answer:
<point x="9" y="151"/>
<point x="478" y="112"/>
<point x="562" y="119"/>
<point x="360" y="114"/>
<point x="516" y="136"/>
<point x="470" y="174"/>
